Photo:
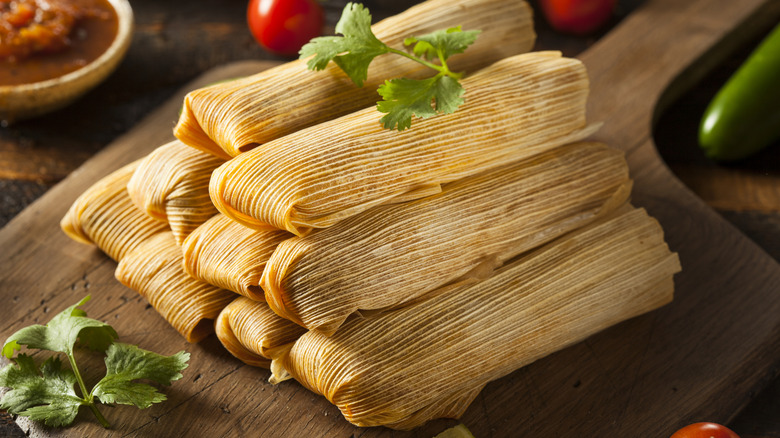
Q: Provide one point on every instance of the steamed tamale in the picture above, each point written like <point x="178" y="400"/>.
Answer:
<point x="430" y="359"/>
<point x="232" y="117"/>
<point x="172" y="184"/>
<point x="229" y="255"/>
<point x="105" y="216"/>
<point x="154" y="269"/>
<point x="392" y="254"/>
<point x="516" y="108"/>
<point x="253" y="333"/>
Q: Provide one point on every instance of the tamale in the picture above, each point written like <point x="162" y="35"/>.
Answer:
<point x="230" y="118"/>
<point x="172" y="184"/>
<point x="105" y="216"/>
<point x="229" y="255"/>
<point x="430" y="359"/>
<point x="516" y="108"/>
<point x="253" y="333"/>
<point x="388" y="255"/>
<point x="154" y="270"/>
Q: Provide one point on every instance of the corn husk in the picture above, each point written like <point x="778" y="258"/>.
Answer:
<point x="253" y="333"/>
<point x="516" y="108"/>
<point x="229" y="255"/>
<point x="392" y="254"/>
<point x="172" y="184"/>
<point x="154" y="270"/>
<point x="430" y="359"/>
<point x="105" y="216"/>
<point x="229" y="118"/>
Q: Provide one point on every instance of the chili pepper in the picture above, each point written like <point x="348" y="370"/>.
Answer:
<point x="744" y="117"/>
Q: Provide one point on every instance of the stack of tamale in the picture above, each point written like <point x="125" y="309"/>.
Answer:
<point x="395" y="273"/>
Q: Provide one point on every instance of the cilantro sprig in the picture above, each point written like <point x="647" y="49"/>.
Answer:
<point x="402" y="98"/>
<point x="48" y="393"/>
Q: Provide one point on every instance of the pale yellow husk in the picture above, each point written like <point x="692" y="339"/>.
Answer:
<point x="392" y="254"/>
<point x="430" y="359"/>
<point x="154" y="270"/>
<point x="253" y="333"/>
<point x="232" y="117"/>
<point x="516" y="108"/>
<point x="172" y="184"/>
<point x="459" y="431"/>
<point x="105" y="216"/>
<point x="230" y="255"/>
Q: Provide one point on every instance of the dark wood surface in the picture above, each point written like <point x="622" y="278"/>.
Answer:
<point x="173" y="45"/>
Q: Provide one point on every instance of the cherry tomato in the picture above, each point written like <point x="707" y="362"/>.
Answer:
<point x="705" y="430"/>
<point x="577" y="17"/>
<point x="284" y="26"/>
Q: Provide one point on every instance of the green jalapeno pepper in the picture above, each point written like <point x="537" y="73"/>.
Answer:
<point x="744" y="117"/>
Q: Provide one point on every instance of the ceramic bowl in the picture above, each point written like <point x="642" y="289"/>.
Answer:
<point x="19" y="102"/>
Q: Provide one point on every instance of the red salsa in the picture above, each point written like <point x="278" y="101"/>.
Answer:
<point x="44" y="39"/>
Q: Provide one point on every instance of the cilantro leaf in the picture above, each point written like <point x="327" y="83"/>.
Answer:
<point x="352" y="52"/>
<point x="404" y="98"/>
<point x="126" y="363"/>
<point x="62" y="332"/>
<point x="442" y="44"/>
<point x="323" y="50"/>
<point x="48" y="395"/>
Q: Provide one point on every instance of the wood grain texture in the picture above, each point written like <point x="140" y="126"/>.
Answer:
<point x="653" y="373"/>
<point x="733" y="189"/>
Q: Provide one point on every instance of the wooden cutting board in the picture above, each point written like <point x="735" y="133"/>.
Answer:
<point x="701" y="357"/>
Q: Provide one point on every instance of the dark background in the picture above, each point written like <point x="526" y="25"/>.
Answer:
<point x="176" y="41"/>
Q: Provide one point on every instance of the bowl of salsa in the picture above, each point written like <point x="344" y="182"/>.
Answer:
<point x="54" y="51"/>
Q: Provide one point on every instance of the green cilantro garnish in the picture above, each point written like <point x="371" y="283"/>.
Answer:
<point x="48" y="393"/>
<point x="402" y="97"/>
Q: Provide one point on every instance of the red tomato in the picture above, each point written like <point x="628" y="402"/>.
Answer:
<point x="705" y="430"/>
<point x="577" y="17"/>
<point x="284" y="26"/>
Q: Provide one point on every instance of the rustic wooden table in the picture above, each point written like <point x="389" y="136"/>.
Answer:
<point x="174" y="44"/>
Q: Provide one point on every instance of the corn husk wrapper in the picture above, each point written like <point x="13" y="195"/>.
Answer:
<point x="105" y="216"/>
<point x="230" y="118"/>
<point x="229" y="255"/>
<point x="253" y="333"/>
<point x="516" y="108"/>
<point x="154" y="269"/>
<point x="392" y="254"/>
<point x="430" y="359"/>
<point x="172" y="184"/>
